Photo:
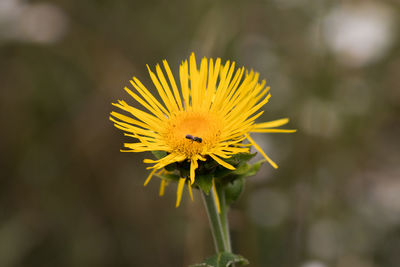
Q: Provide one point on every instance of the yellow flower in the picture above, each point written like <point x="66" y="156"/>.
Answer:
<point x="211" y="115"/>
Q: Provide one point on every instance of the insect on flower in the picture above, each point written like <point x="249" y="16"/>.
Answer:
<point x="190" y="137"/>
<point x="197" y="139"/>
<point x="194" y="138"/>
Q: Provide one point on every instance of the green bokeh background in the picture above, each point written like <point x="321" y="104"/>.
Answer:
<point x="68" y="197"/>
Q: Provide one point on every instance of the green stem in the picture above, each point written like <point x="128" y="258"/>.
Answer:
<point x="215" y="222"/>
<point x="224" y="219"/>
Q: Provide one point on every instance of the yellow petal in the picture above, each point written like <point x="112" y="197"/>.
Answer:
<point x="173" y="84"/>
<point x="274" y="131"/>
<point x="149" y="177"/>
<point x="214" y="189"/>
<point x="162" y="187"/>
<point x="170" y="106"/>
<point x="273" y="164"/>
<point x="272" y="124"/>
<point x="184" y="78"/>
<point x="190" y="191"/>
<point x="223" y="163"/>
<point x="193" y="167"/>
<point x="179" y="191"/>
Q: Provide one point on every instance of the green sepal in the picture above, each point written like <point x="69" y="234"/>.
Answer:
<point x="222" y="172"/>
<point x="222" y="259"/>
<point x="246" y="170"/>
<point x="233" y="190"/>
<point x="168" y="176"/>
<point x="239" y="161"/>
<point x="242" y="169"/>
<point x="239" y="158"/>
<point x="170" y="167"/>
<point x="253" y="169"/>
<point x="159" y="154"/>
<point x="234" y="181"/>
<point x="204" y="182"/>
<point x="208" y="165"/>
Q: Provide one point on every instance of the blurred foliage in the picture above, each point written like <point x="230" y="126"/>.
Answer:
<point x="68" y="197"/>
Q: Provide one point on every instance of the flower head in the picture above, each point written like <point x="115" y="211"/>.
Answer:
<point x="207" y="117"/>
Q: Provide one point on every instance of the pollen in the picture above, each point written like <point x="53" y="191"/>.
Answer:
<point x="204" y="125"/>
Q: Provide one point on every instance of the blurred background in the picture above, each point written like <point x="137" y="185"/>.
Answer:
<point x="68" y="197"/>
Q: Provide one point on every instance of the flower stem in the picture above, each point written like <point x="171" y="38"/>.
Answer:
<point x="224" y="219"/>
<point x="215" y="222"/>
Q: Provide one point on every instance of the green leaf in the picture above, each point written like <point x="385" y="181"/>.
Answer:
<point x="233" y="190"/>
<point x="222" y="259"/>
<point x="254" y="168"/>
<point x="159" y="154"/>
<point x="204" y="182"/>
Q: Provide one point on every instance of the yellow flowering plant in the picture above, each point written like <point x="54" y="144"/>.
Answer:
<point x="199" y="134"/>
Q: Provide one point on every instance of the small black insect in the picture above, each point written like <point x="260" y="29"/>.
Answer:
<point x="194" y="138"/>
<point x="190" y="137"/>
<point x="197" y="139"/>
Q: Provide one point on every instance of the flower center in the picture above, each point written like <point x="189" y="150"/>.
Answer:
<point x="192" y="132"/>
